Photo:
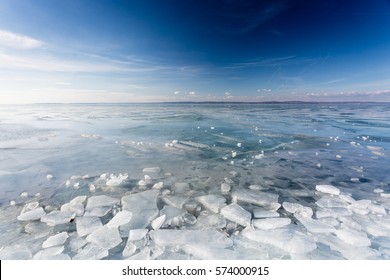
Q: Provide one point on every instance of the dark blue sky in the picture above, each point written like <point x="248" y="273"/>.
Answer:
<point x="95" y="50"/>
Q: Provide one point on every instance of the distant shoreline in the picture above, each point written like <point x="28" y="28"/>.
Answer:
<point x="205" y="103"/>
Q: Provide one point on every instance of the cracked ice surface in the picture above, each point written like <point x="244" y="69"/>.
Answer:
<point x="240" y="182"/>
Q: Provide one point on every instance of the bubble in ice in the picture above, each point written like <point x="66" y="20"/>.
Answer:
<point x="49" y="176"/>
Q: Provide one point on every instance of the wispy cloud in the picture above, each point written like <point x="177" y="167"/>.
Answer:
<point x="268" y="62"/>
<point x="18" y="41"/>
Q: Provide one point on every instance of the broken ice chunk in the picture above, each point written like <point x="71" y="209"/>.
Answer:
<point x="175" y="201"/>
<point x="16" y="252"/>
<point x="181" y="187"/>
<point x="270" y="223"/>
<point x="38" y="229"/>
<point x="137" y="234"/>
<point x="329" y="189"/>
<point x="104" y="237"/>
<point x="212" y="202"/>
<point x="87" y="224"/>
<point x="334" y="212"/>
<point x="331" y="202"/>
<point x="78" y="200"/>
<point x="119" y="219"/>
<point x="225" y="188"/>
<point x="158" y="185"/>
<point x="76" y="243"/>
<point x="48" y="253"/>
<point x="78" y="209"/>
<point x="151" y="170"/>
<point x="385" y="195"/>
<point x="361" y="207"/>
<point x="353" y="237"/>
<point x="158" y="222"/>
<point x="208" y="252"/>
<point x="143" y="205"/>
<point x="293" y="208"/>
<point x="129" y="249"/>
<point x="115" y="181"/>
<point x="30" y="206"/>
<point x="35" y="214"/>
<point x="254" y="197"/>
<point x="236" y="213"/>
<point x="377" y="209"/>
<point x="168" y="237"/>
<point x="144" y="254"/>
<point x="207" y="220"/>
<point x="347" y="250"/>
<point x="261" y="213"/>
<point x="57" y="218"/>
<point x="287" y="239"/>
<point x="314" y="226"/>
<point x="173" y="216"/>
<point x="101" y="201"/>
<point x="49" y="177"/>
<point x="98" y="211"/>
<point x="91" y="252"/>
<point x="55" y="240"/>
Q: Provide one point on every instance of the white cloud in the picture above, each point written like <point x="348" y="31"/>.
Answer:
<point x="176" y="92"/>
<point x="192" y="93"/>
<point x="17" y="41"/>
<point x="227" y="93"/>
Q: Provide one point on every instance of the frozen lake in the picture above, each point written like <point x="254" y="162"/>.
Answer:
<point x="195" y="181"/>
